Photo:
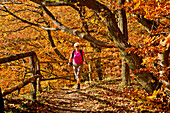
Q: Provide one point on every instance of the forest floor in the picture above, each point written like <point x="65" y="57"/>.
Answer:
<point x="97" y="96"/>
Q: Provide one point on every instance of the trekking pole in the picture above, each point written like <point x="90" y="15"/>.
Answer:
<point x="87" y="72"/>
<point x="86" y="69"/>
<point x="90" y="72"/>
<point x="70" y="74"/>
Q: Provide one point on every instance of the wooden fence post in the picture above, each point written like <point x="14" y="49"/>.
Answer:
<point x="1" y="103"/>
<point x="39" y="89"/>
<point x="33" y="73"/>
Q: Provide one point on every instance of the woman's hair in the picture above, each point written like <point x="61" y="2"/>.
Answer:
<point x="76" y="44"/>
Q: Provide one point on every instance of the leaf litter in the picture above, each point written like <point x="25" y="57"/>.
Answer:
<point x="98" y="96"/>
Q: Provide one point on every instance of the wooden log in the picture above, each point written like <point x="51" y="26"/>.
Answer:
<point x="64" y="77"/>
<point x="16" y="57"/>
<point x="19" y="86"/>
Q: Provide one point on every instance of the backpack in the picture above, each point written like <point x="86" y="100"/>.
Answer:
<point x="80" y="53"/>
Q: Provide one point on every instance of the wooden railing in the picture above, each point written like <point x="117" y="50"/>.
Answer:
<point x="35" y="73"/>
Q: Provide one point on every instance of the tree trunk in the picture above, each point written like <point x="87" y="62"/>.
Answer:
<point x="164" y="59"/>
<point x="122" y="23"/>
<point x="1" y="102"/>
<point x="98" y="62"/>
<point x="125" y="73"/>
<point x="164" y="63"/>
<point x="54" y="46"/>
<point x="99" y="70"/>
<point x="146" y="79"/>
<point x="148" y="24"/>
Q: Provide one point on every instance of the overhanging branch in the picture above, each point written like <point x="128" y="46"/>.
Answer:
<point x="75" y="32"/>
<point x="25" y="21"/>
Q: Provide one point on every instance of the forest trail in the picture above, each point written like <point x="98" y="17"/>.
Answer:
<point x="97" y="96"/>
<point x="107" y="95"/>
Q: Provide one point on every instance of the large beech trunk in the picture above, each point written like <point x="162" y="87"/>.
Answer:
<point x="125" y="73"/>
<point x="146" y="79"/>
<point x="122" y="23"/>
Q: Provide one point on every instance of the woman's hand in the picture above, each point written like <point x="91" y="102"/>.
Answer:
<point x="69" y="64"/>
<point x="84" y="62"/>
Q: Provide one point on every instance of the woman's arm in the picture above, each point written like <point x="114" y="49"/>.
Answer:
<point x="84" y="58"/>
<point x="70" y="60"/>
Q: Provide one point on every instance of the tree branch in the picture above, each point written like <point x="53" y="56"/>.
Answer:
<point x="91" y="4"/>
<point x="25" y="21"/>
<point x="75" y="32"/>
<point x="52" y="3"/>
<point x="19" y="29"/>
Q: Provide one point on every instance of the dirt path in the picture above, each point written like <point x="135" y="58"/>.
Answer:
<point x="99" y="96"/>
<point x="103" y="96"/>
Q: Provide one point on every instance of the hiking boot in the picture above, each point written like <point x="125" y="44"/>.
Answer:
<point x="78" y="86"/>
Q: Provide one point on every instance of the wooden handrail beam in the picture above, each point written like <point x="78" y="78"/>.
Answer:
<point x="19" y="86"/>
<point x="16" y="57"/>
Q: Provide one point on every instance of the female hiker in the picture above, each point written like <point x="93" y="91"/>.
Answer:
<point x="78" y="58"/>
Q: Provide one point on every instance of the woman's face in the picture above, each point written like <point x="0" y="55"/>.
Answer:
<point x="77" y="47"/>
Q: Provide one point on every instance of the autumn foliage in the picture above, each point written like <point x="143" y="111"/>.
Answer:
<point x="26" y="26"/>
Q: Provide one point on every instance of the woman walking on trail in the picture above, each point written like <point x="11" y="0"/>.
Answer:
<point x="78" y="58"/>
